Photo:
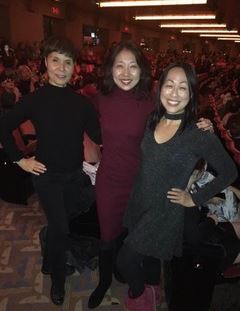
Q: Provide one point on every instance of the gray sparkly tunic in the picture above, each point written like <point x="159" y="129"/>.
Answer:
<point x="155" y="224"/>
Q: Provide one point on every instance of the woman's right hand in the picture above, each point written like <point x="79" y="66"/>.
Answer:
<point x="180" y="196"/>
<point x="30" y="165"/>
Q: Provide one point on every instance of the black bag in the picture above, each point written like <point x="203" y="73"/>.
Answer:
<point x="85" y="192"/>
<point x="83" y="251"/>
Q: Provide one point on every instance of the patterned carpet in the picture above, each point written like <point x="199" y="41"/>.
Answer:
<point x="22" y="286"/>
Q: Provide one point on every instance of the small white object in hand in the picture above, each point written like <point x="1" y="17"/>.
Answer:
<point x="91" y="170"/>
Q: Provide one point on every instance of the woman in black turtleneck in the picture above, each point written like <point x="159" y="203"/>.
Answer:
<point x="171" y="147"/>
<point x="60" y="117"/>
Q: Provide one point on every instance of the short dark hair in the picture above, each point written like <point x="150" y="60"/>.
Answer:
<point x="143" y="88"/>
<point x="191" y="109"/>
<point x="60" y="45"/>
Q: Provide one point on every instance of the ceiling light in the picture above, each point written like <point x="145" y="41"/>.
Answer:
<point x="223" y="36"/>
<point x="208" y="31"/>
<point x="229" y="39"/>
<point x="172" y="17"/>
<point x="108" y="4"/>
<point x="192" y="25"/>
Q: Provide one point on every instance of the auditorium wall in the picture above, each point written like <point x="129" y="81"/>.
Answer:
<point x="25" y="22"/>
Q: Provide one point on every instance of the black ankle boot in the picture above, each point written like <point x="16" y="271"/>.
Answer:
<point x="57" y="293"/>
<point x="105" y="278"/>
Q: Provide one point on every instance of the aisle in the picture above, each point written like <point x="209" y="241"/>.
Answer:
<point x="22" y="286"/>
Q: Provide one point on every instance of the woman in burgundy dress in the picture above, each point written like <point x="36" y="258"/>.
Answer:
<point x="124" y="105"/>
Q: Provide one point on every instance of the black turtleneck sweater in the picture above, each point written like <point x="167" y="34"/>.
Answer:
<point x="60" y="117"/>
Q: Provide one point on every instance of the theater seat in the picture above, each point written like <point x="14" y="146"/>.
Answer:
<point x="192" y="277"/>
<point x="15" y="184"/>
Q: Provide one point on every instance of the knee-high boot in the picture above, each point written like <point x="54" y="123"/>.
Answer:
<point x="118" y="244"/>
<point x="105" y="276"/>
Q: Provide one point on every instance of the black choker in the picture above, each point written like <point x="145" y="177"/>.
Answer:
<point x="171" y="116"/>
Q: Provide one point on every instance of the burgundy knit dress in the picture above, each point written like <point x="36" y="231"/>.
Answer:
<point x="123" y="119"/>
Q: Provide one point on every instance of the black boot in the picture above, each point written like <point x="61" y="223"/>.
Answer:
<point x="57" y="291"/>
<point x="118" y="245"/>
<point x="105" y="277"/>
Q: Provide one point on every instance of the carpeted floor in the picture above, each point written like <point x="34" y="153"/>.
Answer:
<point x="22" y="286"/>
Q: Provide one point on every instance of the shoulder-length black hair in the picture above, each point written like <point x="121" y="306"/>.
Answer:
<point x="191" y="109"/>
<point x="143" y="88"/>
<point x="60" y="45"/>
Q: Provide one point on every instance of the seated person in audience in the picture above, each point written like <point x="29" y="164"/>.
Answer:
<point x="27" y="81"/>
<point x="8" y="99"/>
<point x="89" y="85"/>
<point x="217" y="220"/>
<point x="2" y="71"/>
<point x="11" y="93"/>
<point x="8" y="56"/>
<point x="233" y="126"/>
<point x="232" y="107"/>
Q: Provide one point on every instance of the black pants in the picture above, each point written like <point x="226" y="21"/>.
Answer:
<point x="138" y="269"/>
<point x="60" y="197"/>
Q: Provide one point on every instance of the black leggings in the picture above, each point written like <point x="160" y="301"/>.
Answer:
<point x="138" y="270"/>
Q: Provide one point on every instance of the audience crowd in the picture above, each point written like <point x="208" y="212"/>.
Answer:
<point x="22" y="71"/>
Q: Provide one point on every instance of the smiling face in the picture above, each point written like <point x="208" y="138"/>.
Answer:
<point x="126" y="72"/>
<point x="175" y="94"/>
<point x="59" y="68"/>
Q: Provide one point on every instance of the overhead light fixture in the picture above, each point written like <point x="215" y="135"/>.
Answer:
<point x="208" y="31"/>
<point x="223" y="36"/>
<point x="237" y="41"/>
<point x="172" y="17"/>
<point x="192" y="25"/>
<point x="229" y="39"/>
<point x="111" y="4"/>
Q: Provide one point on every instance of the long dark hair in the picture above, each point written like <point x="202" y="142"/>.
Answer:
<point x="191" y="109"/>
<point x="143" y="88"/>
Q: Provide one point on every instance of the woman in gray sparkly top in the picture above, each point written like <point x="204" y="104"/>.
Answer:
<point x="171" y="147"/>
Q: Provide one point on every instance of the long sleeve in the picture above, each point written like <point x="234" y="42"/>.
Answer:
<point x="211" y="149"/>
<point x="60" y="118"/>
<point x="8" y="123"/>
